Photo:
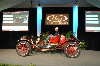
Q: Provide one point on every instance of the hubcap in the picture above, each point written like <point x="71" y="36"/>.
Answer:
<point x="22" y="49"/>
<point x="72" y="50"/>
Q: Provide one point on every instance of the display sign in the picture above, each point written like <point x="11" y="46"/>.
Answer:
<point x="15" y="21"/>
<point x="57" y="19"/>
<point x="92" y="21"/>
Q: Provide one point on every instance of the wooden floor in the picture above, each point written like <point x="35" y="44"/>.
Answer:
<point x="86" y="58"/>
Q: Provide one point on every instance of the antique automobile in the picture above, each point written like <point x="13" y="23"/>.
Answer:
<point x="71" y="46"/>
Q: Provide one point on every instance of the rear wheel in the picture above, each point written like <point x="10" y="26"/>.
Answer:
<point x="72" y="50"/>
<point x="23" y="48"/>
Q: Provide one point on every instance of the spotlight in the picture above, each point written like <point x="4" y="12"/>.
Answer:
<point x="76" y="5"/>
<point x="31" y="4"/>
<point x="39" y="4"/>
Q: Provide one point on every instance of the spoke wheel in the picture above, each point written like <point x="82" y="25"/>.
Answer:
<point x="72" y="50"/>
<point x="23" y="48"/>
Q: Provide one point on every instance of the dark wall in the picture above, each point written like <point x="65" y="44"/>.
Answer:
<point x="8" y="39"/>
<point x="57" y="10"/>
<point x="91" y="38"/>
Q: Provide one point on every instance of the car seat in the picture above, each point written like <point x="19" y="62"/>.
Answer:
<point x="54" y="40"/>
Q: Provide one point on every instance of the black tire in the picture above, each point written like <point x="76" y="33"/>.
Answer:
<point x="21" y="48"/>
<point x="72" y="50"/>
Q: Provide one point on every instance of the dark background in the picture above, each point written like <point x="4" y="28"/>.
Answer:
<point x="8" y="39"/>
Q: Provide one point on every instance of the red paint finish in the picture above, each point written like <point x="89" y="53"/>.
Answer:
<point x="54" y="40"/>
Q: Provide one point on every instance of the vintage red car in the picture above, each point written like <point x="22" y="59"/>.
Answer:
<point x="71" y="46"/>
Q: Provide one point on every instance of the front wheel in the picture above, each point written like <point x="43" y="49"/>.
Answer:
<point x="23" y="48"/>
<point x="72" y="50"/>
